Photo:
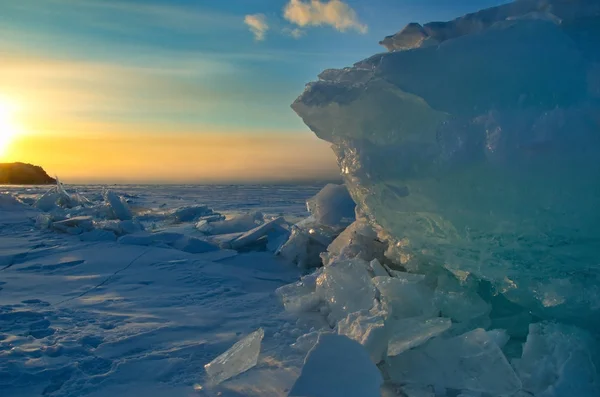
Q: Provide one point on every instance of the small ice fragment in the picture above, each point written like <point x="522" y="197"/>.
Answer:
<point x="119" y="208"/>
<point x="338" y="367"/>
<point x="368" y="329"/>
<point x="237" y="224"/>
<point x="346" y="287"/>
<point x="359" y="240"/>
<point x="377" y="269"/>
<point x="190" y="213"/>
<point x="253" y="235"/>
<point x="239" y="358"/>
<point x="82" y="222"/>
<point x="306" y="342"/>
<point x="300" y="297"/>
<point x="410" y="277"/>
<point x="409" y="333"/>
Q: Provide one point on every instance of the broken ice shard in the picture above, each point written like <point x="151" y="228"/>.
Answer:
<point x="118" y="207"/>
<point x="479" y="148"/>
<point x="346" y="287"/>
<point x="558" y="361"/>
<point x="408" y="333"/>
<point x="337" y="367"/>
<point x="368" y="329"/>
<point x="238" y="359"/>
<point x="472" y="361"/>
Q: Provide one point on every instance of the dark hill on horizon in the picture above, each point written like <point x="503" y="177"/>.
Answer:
<point x="23" y="174"/>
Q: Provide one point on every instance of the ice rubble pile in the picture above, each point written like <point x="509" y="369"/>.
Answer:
<point x="111" y="216"/>
<point x="439" y="333"/>
<point x="474" y="145"/>
<point x="471" y="149"/>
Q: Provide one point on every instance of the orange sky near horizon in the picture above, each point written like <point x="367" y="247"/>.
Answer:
<point x="54" y="125"/>
<point x="176" y="157"/>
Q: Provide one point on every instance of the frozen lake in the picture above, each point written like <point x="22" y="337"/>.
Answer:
<point x="100" y="318"/>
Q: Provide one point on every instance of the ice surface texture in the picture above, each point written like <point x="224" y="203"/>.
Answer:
<point x="354" y="374"/>
<point x="240" y="358"/>
<point x="480" y="153"/>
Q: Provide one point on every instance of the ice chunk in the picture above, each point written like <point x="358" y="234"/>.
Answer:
<point x="237" y="224"/>
<point x="306" y="342"/>
<point x="332" y="206"/>
<point x="253" y="235"/>
<point x="337" y="367"/>
<point x="558" y="361"/>
<point x="83" y="223"/>
<point x="346" y="287"/>
<point x="238" y="359"/>
<point x="190" y="213"/>
<point x="359" y="240"/>
<point x="472" y="361"/>
<point x="300" y="297"/>
<point x="53" y="198"/>
<point x="377" y="269"/>
<point x="296" y="250"/>
<point x="118" y="206"/>
<point x="412" y="332"/>
<point x="367" y="328"/>
<point x="406" y="299"/>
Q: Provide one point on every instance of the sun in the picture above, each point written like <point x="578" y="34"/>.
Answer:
<point x="8" y="125"/>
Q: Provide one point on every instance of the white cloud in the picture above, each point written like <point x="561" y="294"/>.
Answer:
<point x="295" y="33"/>
<point x="333" y="13"/>
<point x="258" y="25"/>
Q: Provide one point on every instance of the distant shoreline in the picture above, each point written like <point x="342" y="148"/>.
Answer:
<point x="24" y="174"/>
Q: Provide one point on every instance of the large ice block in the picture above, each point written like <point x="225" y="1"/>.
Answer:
<point x="472" y="362"/>
<point x="479" y="150"/>
<point x="558" y="361"/>
<point x="239" y="358"/>
<point x="337" y="367"/>
<point x="346" y="287"/>
<point x="332" y="206"/>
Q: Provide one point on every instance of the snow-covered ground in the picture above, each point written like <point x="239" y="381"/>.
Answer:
<point x="101" y="318"/>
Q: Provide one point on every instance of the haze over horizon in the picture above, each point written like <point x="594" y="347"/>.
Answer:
<point x="130" y="91"/>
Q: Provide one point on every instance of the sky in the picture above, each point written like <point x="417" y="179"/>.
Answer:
<point x="195" y="91"/>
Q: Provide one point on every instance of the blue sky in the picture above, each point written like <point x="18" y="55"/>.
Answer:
<point x="188" y="65"/>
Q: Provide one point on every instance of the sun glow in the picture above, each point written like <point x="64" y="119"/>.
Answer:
<point x="8" y="125"/>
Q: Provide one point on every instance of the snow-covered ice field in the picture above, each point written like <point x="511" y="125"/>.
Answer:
<point x="283" y="291"/>
<point x="101" y="318"/>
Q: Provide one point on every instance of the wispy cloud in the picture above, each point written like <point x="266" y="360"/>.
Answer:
<point x="294" y="32"/>
<point x="334" y="13"/>
<point x="258" y="25"/>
